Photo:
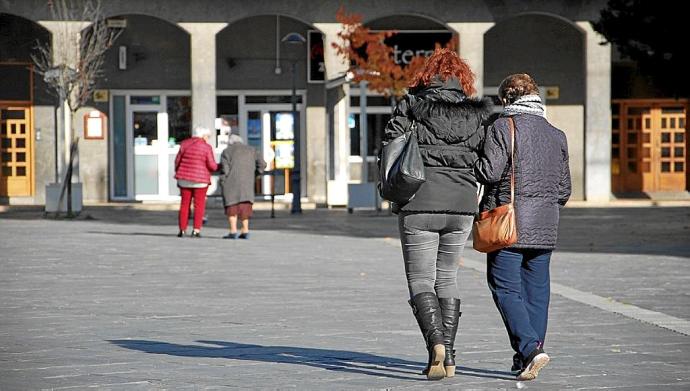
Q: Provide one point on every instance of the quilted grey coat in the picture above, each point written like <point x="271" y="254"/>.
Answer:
<point x="449" y="131"/>
<point x="542" y="176"/>
<point x="240" y="164"/>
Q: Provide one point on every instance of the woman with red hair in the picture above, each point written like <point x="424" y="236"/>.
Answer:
<point x="435" y="224"/>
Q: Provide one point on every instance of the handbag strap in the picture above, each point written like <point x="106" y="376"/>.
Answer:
<point x="511" y="125"/>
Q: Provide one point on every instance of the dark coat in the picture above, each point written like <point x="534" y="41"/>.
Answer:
<point x="542" y="176"/>
<point x="194" y="161"/>
<point x="240" y="164"/>
<point x="450" y="132"/>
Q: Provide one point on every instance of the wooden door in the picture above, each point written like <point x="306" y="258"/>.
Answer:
<point x="16" y="151"/>
<point x="649" y="152"/>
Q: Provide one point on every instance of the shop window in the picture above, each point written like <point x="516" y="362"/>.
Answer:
<point x="632" y="153"/>
<point x="665" y="137"/>
<point x="615" y="153"/>
<point x="145" y="100"/>
<point x="678" y="167"/>
<point x="665" y="167"/>
<point x="179" y="110"/>
<point x="615" y="123"/>
<point x="664" y="123"/>
<point x="678" y="151"/>
<point x="21" y="171"/>
<point x="21" y="156"/>
<point x="665" y="152"/>
<point x="376" y="124"/>
<point x="7" y="142"/>
<point x="7" y="171"/>
<point x="678" y="137"/>
<point x="673" y="123"/>
<point x="20" y="143"/>
<point x="632" y="167"/>
<point x="615" y="138"/>
<point x="256" y="99"/>
<point x="632" y="138"/>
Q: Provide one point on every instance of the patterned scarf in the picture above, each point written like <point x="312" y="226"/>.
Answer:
<point x="528" y="104"/>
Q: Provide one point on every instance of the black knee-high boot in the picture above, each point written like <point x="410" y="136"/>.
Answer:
<point x="450" y="308"/>
<point x="427" y="311"/>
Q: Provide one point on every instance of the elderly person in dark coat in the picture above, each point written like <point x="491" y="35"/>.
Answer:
<point x="518" y="276"/>
<point x="240" y="164"/>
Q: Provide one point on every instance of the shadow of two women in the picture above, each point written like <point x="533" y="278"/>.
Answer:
<point x="334" y="360"/>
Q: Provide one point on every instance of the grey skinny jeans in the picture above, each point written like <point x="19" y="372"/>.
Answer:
<point x="432" y="245"/>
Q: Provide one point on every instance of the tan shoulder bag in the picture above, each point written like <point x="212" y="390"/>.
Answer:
<point x="496" y="228"/>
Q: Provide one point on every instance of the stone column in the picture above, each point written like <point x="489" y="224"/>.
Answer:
<point x="471" y="48"/>
<point x="597" y="117"/>
<point x="203" y="64"/>
<point x="337" y="103"/>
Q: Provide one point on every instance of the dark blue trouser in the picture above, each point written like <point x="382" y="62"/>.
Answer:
<point x="519" y="282"/>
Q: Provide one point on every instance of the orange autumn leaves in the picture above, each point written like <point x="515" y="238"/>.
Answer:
<point x="371" y="59"/>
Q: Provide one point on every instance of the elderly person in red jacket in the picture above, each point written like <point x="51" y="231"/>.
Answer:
<point x="194" y="164"/>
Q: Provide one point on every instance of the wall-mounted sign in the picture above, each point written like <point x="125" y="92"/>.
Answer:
<point x="552" y="93"/>
<point x="316" y="68"/>
<point x="100" y="95"/>
<point x="94" y="125"/>
<point x="116" y="23"/>
<point x="407" y="44"/>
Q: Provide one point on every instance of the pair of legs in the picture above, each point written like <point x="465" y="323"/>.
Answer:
<point x="242" y="211"/>
<point x="520" y="285"/>
<point x="432" y="248"/>
<point x="199" y="196"/>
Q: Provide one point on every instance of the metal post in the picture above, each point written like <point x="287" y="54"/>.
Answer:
<point x="295" y="174"/>
<point x="363" y="131"/>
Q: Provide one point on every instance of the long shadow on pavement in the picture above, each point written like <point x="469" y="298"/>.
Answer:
<point x="334" y="360"/>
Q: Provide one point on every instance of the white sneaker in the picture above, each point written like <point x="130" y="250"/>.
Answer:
<point x="532" y="370"/>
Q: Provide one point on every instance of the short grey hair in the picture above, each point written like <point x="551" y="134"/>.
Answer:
<point x="201" y="131"/>
<point x="235" y="139"/>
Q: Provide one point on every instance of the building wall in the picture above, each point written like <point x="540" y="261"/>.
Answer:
<point x="157" y="56"/>
<point x="249" y="46"/>
<point x="552" y="51"/>
<point x="537" y="37"/>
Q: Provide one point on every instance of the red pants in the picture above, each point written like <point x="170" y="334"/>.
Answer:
<point x="199" y="195"/>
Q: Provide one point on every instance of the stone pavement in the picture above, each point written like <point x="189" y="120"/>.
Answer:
<point x="113" y="300"/>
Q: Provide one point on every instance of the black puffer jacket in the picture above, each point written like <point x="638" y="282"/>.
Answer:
<point x="450" y="132"/>
<point x="542" y="176"/>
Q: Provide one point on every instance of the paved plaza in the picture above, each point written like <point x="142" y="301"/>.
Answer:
<point x="114" y="301"/>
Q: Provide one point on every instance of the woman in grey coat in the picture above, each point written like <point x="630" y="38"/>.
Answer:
<point x="240" y="165"/>
<point x="518" y="276"/>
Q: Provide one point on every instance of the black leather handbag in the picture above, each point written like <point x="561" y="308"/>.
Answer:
<point x="401" y="169"/>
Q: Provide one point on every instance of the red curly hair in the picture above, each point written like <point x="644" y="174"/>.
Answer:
<point x="445" y="63"/>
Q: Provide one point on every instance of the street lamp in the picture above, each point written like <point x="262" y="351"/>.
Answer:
<point x="295" y="39"/>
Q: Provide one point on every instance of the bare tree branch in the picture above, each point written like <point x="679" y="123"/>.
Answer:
<point x="73" y="62"/>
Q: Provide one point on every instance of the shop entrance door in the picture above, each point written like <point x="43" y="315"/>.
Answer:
<point x="16" y="151"/>
<point x="649" y="146"/>
<point x="147" y="130"/>
<point x="270" y="129"/>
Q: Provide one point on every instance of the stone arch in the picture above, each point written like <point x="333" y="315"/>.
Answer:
<point x="157" y="55"/>
<point x="246" y="55"/>
<point x="18" y="39"/>
<point x="547" y="46"/>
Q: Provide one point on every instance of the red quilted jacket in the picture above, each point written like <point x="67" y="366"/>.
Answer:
<point x="194" y="161"/>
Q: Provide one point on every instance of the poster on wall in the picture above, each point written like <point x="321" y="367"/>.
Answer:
<point x="284" y="154"/>
<point x="316" y="68"/>
<point x="284" y="126"/>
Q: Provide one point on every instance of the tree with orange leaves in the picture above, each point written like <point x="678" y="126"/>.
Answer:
<point x="371" y="59"/>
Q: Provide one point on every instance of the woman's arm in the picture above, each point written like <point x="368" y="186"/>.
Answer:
<point x="399" y="121"/>
<point x="211" y="164"/>
<point x="492" y="163"/>
<point x="565" y="186"/>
